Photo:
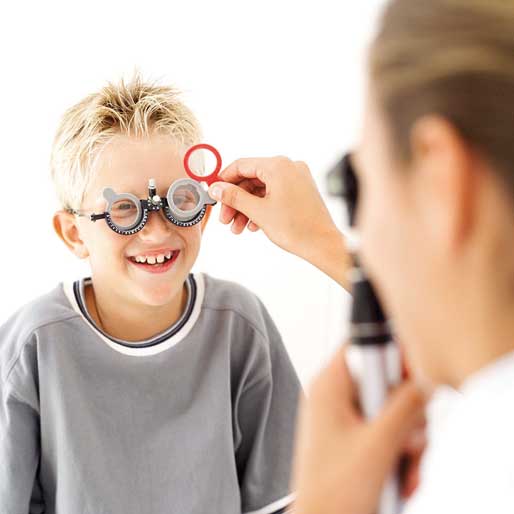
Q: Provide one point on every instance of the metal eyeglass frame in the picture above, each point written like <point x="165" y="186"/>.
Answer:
<point x="154" y="203"/>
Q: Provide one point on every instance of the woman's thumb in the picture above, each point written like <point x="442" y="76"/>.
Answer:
<point x="237" y="198"/>
<point x="401" y="413"/>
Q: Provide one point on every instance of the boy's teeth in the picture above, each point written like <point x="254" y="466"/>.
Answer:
<point x="153" y="259"/>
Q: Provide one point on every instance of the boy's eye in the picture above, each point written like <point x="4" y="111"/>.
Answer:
<point x="123" y="209"/>
<point x="185" y="199"/>
<point x="125" y="206"/>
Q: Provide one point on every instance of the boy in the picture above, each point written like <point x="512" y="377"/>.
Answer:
<point x="143" y="389"/>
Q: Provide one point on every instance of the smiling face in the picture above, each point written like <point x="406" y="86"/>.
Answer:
<point x="148" y="267"/>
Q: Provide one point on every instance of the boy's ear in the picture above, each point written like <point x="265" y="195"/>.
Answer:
<point x="65" y="225"/>
<point x="205" y="220"/>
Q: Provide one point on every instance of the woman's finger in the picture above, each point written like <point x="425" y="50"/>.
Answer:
<point x="252" y="168"/>
<point x="227" y="214"/>
<point x="335" y="389"/>
<point x="411" y="462"/>
<point x="237" y="198"/>
<point x="399" y="417"/>
<point x="239" y="224"/>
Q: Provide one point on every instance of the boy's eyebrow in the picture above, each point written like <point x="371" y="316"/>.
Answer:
<point x="122" y="190"/>
<point x="141" y="193"/>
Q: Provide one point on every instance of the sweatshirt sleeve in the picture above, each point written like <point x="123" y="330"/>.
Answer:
<point x="265" y="416"/>
<point x="19" y="436"/>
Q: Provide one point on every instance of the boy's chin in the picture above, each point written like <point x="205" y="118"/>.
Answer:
<point x="159" y="295"/>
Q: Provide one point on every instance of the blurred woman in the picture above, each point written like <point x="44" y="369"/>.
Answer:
<point x="436" y="218"/>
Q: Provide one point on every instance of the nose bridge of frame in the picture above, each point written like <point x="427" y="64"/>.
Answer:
<point x="156" y="219"/>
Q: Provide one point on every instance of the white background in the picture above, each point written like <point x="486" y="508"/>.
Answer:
<point x="264" y="78"/>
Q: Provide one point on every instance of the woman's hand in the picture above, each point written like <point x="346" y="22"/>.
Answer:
<point x="280" y="197"/>
<point x="342" y="461"/>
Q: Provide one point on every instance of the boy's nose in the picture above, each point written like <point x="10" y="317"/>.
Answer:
<point x="157" y="227"/>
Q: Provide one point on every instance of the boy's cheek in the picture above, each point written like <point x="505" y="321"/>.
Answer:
<point x="206" y="218"/>
<point x="195" y="242"/>
<point x="104" y="251"/>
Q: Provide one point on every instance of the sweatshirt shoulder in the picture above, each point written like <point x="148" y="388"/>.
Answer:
<point x="50" y="307"/>
<point x="228" y="296"/>
<point x="21" y="327"/>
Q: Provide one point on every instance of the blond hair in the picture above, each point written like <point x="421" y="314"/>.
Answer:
<point x="136" y="108"/>
<point x="453" y="58"/>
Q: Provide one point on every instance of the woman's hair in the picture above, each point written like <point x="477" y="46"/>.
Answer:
<point x="453" y="58"/>
<point x="135" y="108"/>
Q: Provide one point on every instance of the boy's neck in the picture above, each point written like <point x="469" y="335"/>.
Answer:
<point x="130" y="322"/>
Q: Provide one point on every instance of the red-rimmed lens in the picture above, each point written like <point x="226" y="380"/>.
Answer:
<point x="197" y="150"/>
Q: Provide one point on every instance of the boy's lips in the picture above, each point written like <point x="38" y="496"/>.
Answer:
<point x="157" y="267"/>
<point x="155" y="252"/>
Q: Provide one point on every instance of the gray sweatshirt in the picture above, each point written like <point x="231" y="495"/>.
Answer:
<point x="197" y="420"/>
